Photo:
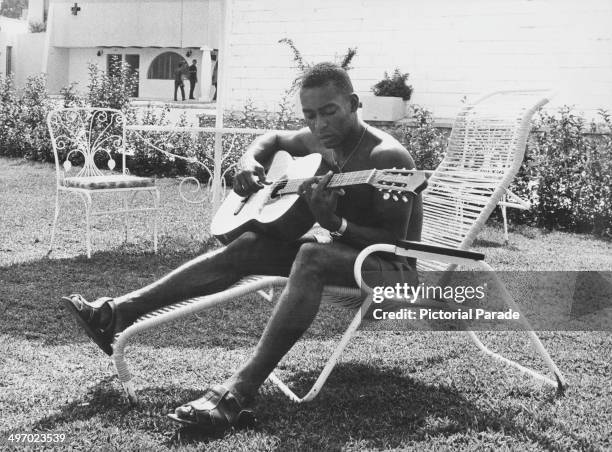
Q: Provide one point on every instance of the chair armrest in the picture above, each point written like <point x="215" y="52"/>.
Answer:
<point x="440" y="250"/>
<point x="420" y="251"/>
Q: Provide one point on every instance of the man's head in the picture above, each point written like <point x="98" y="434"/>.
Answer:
<point x="194" y="62"/>
<point x="329" y="103"/>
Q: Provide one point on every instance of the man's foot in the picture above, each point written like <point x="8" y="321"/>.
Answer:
<point x="218" y="409"/>
<point x="88" y="316"/>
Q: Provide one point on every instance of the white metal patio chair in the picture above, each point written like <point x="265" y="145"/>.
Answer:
<point x="485" y="151"/>
<point x="97" y="136"/>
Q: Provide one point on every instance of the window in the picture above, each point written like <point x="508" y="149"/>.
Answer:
<point x="164" y="65"/>
<point x="9" y="60"/>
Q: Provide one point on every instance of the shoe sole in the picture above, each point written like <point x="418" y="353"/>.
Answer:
<point x="93" y="335"/>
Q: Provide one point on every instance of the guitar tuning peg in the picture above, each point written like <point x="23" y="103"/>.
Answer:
<point x="404" y="199"/>
<point x="386" y="196"/>
<point x="395" y="198"/>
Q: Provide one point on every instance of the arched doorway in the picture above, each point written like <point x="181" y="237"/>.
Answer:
<point x="163" y="66"/>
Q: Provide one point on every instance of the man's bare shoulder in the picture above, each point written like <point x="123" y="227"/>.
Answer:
<point x="388" y="152"/>
<point x="299" y="142"/>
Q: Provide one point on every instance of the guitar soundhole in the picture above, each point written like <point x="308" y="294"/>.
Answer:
<point x="278" y="187"/>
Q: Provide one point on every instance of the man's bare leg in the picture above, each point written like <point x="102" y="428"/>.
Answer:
<point x="315" y="266"/>
<point x="212" y="272"/>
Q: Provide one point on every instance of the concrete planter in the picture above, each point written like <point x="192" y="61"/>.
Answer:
<point x="380" y="108"/>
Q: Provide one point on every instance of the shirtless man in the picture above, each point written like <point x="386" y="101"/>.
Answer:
<point x="358" y="216"/>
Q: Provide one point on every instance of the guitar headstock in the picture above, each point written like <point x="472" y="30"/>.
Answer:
<point x="398" y="183"/>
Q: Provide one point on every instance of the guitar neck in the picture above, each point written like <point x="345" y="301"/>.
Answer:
<point x="337" y="181"/>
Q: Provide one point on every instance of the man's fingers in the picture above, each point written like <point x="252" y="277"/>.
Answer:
<point x="307" y="186"/>
<point x="323" y="183"/>
<point x="262" y="175"/>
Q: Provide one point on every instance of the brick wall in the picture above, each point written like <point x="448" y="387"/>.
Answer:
<point x="450" y="48"/>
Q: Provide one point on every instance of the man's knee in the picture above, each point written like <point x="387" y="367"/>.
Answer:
<point x="312" y="259"/>
<point x="246" y="242"/>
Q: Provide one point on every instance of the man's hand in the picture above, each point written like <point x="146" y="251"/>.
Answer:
<point x="322" y="201"/>
<point x="250" y="178"/>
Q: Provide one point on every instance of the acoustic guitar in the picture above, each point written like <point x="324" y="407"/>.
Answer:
<point x="278" y="210"/>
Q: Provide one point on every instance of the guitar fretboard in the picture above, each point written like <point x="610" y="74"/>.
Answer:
<point x="338" y="180"/>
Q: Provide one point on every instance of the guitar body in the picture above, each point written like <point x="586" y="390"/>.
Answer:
<point x="285" y="217"/>
<point x="278" y="211"/>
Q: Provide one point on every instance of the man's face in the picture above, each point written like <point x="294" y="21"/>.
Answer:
<point x="328" y="113"/>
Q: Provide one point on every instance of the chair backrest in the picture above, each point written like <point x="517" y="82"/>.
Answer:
<point x="485" y="151"/>
<point x="90" y="136"/>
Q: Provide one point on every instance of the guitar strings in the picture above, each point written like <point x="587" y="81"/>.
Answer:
<point x="291" y="185"/>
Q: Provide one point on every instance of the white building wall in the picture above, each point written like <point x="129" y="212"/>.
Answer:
<point x="9" y="30"/>
<point x="13" y="26"/>
<point x="28" y="56"/>
<point x="450" y="48"/>
<point x="170" y="23"/>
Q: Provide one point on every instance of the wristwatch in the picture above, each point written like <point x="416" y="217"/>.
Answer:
<point x="341" y="230"/>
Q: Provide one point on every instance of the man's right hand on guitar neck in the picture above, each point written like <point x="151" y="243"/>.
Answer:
<point x="250" y="177"/>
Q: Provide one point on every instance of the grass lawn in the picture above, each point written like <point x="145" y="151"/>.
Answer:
<point x="392" y="391"/>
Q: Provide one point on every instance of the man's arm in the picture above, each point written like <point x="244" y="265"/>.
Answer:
<point x="251" y="175"/>
<point x="393" y="217"/>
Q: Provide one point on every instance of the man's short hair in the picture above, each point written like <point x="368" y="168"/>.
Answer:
<point x="323" y="73"/>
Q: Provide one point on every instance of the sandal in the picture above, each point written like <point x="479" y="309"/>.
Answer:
<point x="217" y="409"/>
<point x="85" y="314"/>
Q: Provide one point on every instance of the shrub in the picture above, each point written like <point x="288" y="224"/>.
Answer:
<point x="421" y="138"/>
<point x="10" y="107"/>
<point x="37" y="27"/>
<point x="71" y="96"/>
<point x="113" y="89"/>
<point x="394" y="86"/>
<point x="566" y="174"/>
<point x="23" y="127"/>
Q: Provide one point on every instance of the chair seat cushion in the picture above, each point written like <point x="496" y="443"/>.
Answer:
<point x="106" y="182"/>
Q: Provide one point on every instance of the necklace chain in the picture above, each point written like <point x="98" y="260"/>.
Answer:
<point x="341" y="167"/>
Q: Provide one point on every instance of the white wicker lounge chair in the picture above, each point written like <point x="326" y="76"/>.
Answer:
<point x="98" y="134"/>
<point x="485" y="151"/>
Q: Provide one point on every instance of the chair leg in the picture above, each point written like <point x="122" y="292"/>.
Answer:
<point x="559" y="381"/>
<point x="505" y="216"/>
<point x="88" y="203"/>
<point x="329" y="366"/>
<point x="125" y="218"/>
<point x="55" y="217"/>
<point x="156" y="220"/>
<point x="124" y="375"/>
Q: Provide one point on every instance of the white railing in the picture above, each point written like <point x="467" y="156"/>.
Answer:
<point x="216" y="181"/>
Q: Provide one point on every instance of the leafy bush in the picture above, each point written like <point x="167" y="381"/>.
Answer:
<point x="567" y="174"/>
<point x="13" y="8"/>
<point x="112" y="89"/>
<point x="394" y="86"/>
<point x="71" y="97"/>
<point x="37" y="27"/>
<point x="424" y="141"/>
<point x="23" y="127"/>
<point x="200" y="147"/>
